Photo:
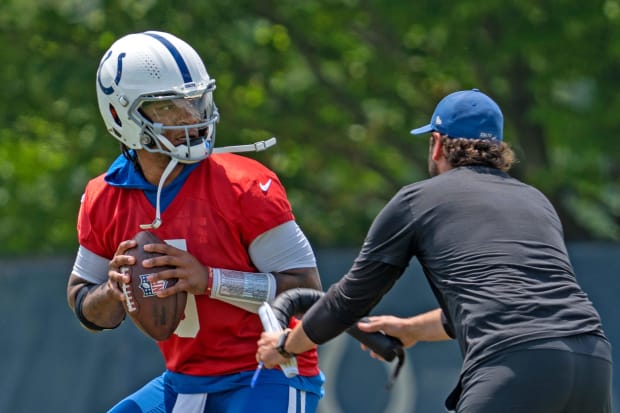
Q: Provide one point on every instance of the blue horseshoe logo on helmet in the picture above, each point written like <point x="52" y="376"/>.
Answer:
<point x="119" y="69"/>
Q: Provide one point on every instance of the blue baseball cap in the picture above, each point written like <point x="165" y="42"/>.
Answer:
<point x="466" y="114"/>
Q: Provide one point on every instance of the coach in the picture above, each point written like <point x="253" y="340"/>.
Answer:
<point x="493" y="252"/>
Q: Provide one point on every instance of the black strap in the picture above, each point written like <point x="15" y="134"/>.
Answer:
<point x="400" y="353"/>
<point x="79" y="302"/>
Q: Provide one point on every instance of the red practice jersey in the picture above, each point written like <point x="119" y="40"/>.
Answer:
<point x="224" y="204"/>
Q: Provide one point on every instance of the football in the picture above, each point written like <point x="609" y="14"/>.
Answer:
<point x="154" y="316"/>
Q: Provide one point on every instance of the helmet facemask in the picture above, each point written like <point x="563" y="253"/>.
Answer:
<point x="181" y="126"/>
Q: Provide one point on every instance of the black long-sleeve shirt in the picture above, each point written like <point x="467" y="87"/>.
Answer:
<point x="493" y="252"/>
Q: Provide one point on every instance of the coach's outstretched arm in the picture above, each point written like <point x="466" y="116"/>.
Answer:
<point x="429" y="326"/>
<point x="367" y="281"/>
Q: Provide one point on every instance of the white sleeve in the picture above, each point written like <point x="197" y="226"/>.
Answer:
<point x="282" y="248"/>
<point x="90" y="266"/>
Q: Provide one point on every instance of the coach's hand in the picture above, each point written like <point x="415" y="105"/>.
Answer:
<point x="266" y="352"/>
<point x="422" y="327"/>
<point x="390" y="325"/>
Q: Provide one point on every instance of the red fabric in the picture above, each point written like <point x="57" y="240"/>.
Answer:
<point x="219" y="210"/>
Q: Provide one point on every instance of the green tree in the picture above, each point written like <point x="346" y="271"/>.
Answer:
<point x="339" y="82"/>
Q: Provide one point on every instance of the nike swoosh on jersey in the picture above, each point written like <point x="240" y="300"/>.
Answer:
<point x="265" y="186"/>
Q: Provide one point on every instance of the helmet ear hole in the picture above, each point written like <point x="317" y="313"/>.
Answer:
<point x="114" y="114"/>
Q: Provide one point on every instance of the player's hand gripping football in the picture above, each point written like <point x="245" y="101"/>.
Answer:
<point x="116" y="275"/>
<point x="148" y="272"/>
<point x="191" y="275"/>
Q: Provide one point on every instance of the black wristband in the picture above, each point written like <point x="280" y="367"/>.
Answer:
<point x="79" y="302"/>
<point x="282" y="343"/>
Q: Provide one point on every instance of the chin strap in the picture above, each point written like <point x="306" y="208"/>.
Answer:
<point x="254" y="147"/>
<point x="157" y="222"/>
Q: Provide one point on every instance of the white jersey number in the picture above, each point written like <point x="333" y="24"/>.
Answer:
<point x="189" y="326"/>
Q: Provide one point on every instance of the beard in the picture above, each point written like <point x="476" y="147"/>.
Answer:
<point x="433" y="170"/>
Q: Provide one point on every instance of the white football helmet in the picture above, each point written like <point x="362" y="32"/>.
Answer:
<point x="142" y="68"/>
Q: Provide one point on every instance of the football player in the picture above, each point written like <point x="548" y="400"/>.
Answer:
<point x="229" y="229"/>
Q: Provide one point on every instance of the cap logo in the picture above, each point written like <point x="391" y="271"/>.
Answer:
<point x="466" y="114"/>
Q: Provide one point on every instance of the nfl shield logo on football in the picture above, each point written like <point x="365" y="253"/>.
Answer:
<point x="150" y="289"/>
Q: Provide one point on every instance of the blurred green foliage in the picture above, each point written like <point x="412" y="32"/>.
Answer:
<point x="339" y="82"/>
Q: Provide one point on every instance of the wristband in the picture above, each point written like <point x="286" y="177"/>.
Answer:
<point x="209" y="281"/>
<point x="240" y="286"/>
<point x="77" y="308"/>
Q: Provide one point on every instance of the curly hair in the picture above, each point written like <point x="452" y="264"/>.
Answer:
<point x="464" y="152"/>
